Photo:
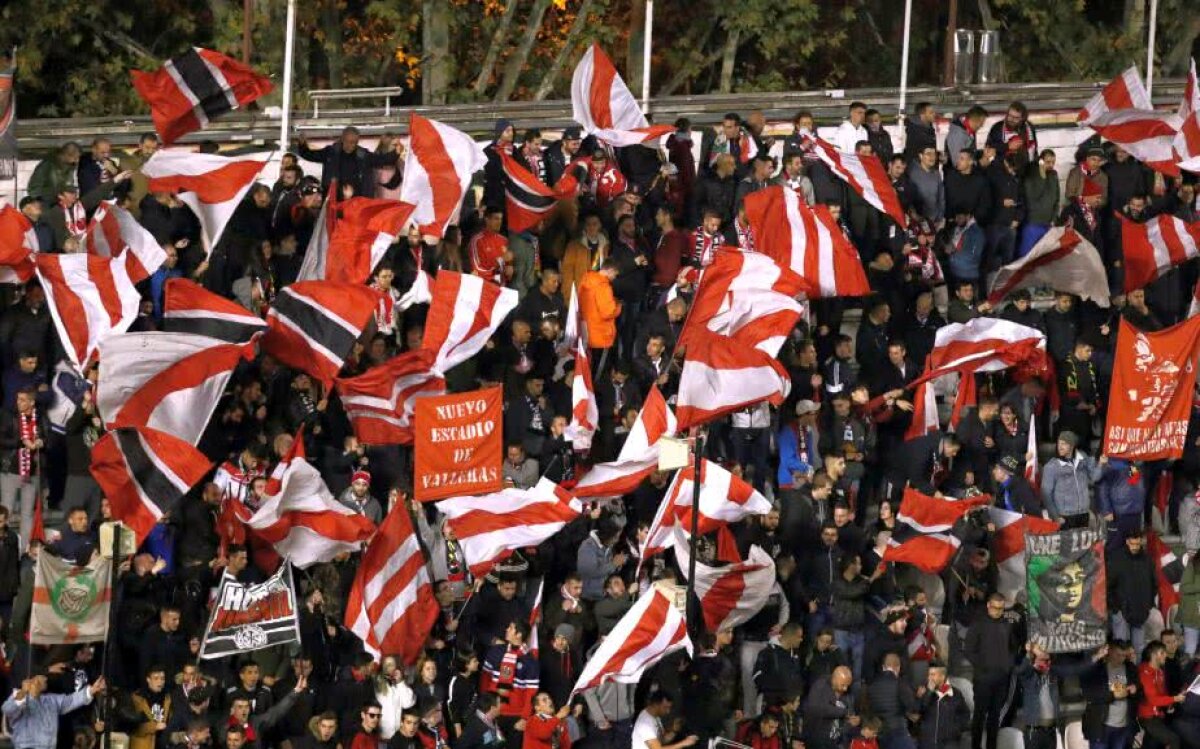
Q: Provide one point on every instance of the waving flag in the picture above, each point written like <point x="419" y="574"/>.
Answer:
<point x="1148" y="136"/>
<point x="602" y="103"/>
<point x="165" y="381"/>
<point x="144" y="473"/>
<point x="1126" y="91"/>
<point x="17" y="238"/>
<point x="490" y="527"/>
<point x="464" y="313"/>
<point x="650" y="630"/>
<point x="807" y="240"/>
<point x="1186" y="145"/>
<point x="1062" y="260"/>
<point x="639" y="455"/>
<point x="391" y="605"/>
<point x="212" y="186"/>
<point x="188" y="307"/>
<point x="312" y="325"/>
<point x="922" y="534"/>
<point x="437" y="172"/>
<point x="721" y="375"/>
<point x="733" y="594"/>
<point x="866" y="177"/>
<point x="300" y="518"/>
<point x="113" y="229"/>
<point x="380" y="402"/>
<point x="584" y="413"/>
<point x="1154" y="247"/>
<point x="196" y="87"/>
<point x="985" y="344"/>
<point x="358" y="233"/>
<point x="1168" y="573"/>
<point x="925" y="411"/>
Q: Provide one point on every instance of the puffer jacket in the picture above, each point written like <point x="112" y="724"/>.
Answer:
<point x="849" y="602"/>
<point x="1066" y="484"/>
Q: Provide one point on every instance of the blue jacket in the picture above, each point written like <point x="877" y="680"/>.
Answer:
<point x="791" y="460"/>
<point x="1030" y="681"/>
<point x="1115" y="494"/>
<point x="964" y="264"/>
<point x="34" y="720"/>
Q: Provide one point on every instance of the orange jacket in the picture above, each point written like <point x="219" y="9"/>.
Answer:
<point x="599" y="309"/>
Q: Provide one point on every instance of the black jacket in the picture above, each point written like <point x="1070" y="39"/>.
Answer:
<point x="1094" y="684"/>
<point x="917" y="137"/>
<point x="824" y="716"/>
<point x="777" y="671"/>
<point x="943" y="719"/>
<point x="891" y="699"/>
<point x="10" y="442"/>
<point x="10" y="565"/>
<point x="356" y="168"/>
<point x="1131" y="584"/>
<point x="991" y="646"/>
<point x="715" y="193"/>
<point x="971" y="193"/>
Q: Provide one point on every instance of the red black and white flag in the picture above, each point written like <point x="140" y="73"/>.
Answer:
<point x="312" y="325"/>
<point x="194" y="88"/>
<point x="190" y="308"/>
<point x="527" y="200"/>
<point x="380" y="402"/>
<point x="144" y="473"/>
<point x="212" y="186"/>
<point x="922" y="534"/>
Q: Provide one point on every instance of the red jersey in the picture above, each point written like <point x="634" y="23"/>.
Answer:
<point x="1153" y="683"/>
<point x="487" y="250"/>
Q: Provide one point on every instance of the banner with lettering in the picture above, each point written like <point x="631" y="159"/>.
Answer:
<point x="1068" y="606"/>
<point x="252" y="617"/>
<point x="1151" y="394"/>
<point x="458" y="442"/>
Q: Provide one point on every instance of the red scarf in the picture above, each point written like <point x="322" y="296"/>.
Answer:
<point x="27" y="425"/>
<point x="75" y="217"/>
<point x="704" y="245"/>
<point x="745" y="234"/>
<point x="967" y="126"/>
<point x="385" y="311"/>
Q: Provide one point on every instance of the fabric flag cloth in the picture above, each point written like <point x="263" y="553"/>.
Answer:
<point x="925" y="410"/>
<point x="639" y="455"/>
<point x="312" y="267"/>
<point x="358" y="233"/>
<point x="380" y="402"/>
<point x="91" y="298"/>
<point x="196" y="87"/>
<point x="113" y="229"/>
<point x="301" y="518"/>
<point x="1168" y="573"/>
<point x="1062" y="260"/>
<point x="984" y="344"/>
<point x="166" y="381"/>
<point x="490" y="527"/>
<point x="585" y="415"/>
<point x="721" y="375"/>
<point x="1151" y="395"/>
<point x="651" y="629"/>
<point x="464" y="313"/>
<point x="17" y="237"/>
<point x="1126" y="91"/>
<point x="806" y="240"/>
<point x="604" y="106"/>
<point x="252" y="617"/>
<point x="144" y="473"/>
<point x="437" y="172"/>
<point x="922" y="534"/>
<point x="1067" y="590"/>
<point x="733" y="594"/>
<point x="8" y="121"/>
<point x="526" y="199"/>
<point x="1008" y="546"/>
<point x="1033" y="469"/>
<point x="1194" y="304"/>
<point x="70" y="604"/>
<point x="391" y="605"/>
<point x="37" y="528"/>
<point x="1186" y="145"/>
<point x="867" y="177"/>
<point x="190" y="308"/>
<point x="1148" y="136"/>
<point x="212" y="186"/>
<point x="312" y="325"/>
<point x="1154" y="247"/>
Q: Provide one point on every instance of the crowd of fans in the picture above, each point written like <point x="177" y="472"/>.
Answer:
<point x="848" y="651"/>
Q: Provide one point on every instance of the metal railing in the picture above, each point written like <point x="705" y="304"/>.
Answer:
<point x="317" y="96"/>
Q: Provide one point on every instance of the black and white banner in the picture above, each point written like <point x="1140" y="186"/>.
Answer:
<point x="252" y="617"/>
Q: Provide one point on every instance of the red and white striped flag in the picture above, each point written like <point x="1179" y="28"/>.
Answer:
<point x="639" y="455"/>
<point x="651" y="629"/>
<point x="93" y="297"/>
<point x="1154" y="247"/>
<point x="391" y="605"/>
<point x="380" y="402"/>
<point x="1033" y="469"/>
<point x="603" y="104"/>
<point x="437" y="172"/>
<point x="363" y="231"/>
<point x="721" y="375"/>
<point x="1186" y="144"/>
<point x="300" y="518"/>
<point x="535" y="619"/>
<point x="17" y="238"/>
<point x="925" y="411"/>
<point x="113" y="229"/>
<point x="867" y="177"/>
<point x="808" y="241"/>
<point x="490" y="527"/>
<point x="1148" y="136"/>
<point x="165" y="381"/>
<point x="312" y="325"/>
<point x="922" y="534"/>
<point x="212" y="186"/>
<point x="733" y="594"/>
<point x="1008" y="546"/>
<point x="1062" y="260"/>
<point x="464" y="313"/>
<point x="584" y="413"/>
<point x="188" y="307"/>
<point x="1126" y="91"/>
<point x="984" y="344"/>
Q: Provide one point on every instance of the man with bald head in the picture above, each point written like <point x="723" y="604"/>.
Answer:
<point x="829" y="711"/>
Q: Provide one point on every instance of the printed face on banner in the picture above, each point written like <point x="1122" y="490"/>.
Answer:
<point x="458" y="439"/>
<point x="1162" y="378"/>
<point x="1066" y="589"/>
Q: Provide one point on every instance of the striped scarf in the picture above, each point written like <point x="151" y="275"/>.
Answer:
<point x="75" y="218"/>
<point x="27" y="426"/>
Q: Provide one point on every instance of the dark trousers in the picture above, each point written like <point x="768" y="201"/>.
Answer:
<point x="1158" y="736"/>
<point x="751" y="447"/>
<point x="991" y="692"/>
<point x="1041" y="737"/>
<point x="1114" y="738"/>
<point x="1075" y="521"/>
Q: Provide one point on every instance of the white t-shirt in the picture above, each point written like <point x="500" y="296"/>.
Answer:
<point x="645" y="728"/>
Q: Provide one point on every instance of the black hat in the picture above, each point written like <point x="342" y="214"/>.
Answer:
<point x="29" y="199"/>
<point x="1010" y="464"/>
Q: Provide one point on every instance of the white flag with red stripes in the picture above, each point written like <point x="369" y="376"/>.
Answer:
<point x="300" y="518"/>
<point x="166" y="381"/>
<point x="1033" y="468"/>
<point x="464" y="313"/>
<point x="490" y="527"/>
<point x="807" y="240"/>
<point x="113" y="229"/>
<point x="391" y="605"/>
<point x="212" y="186"/>
<point x="732" y="594"/>
<point x="867" y="177"/>
<point x="1061" y="260"/>
<point x="1186" y="144"/>
<point x="437" y="172"/>
<point x="984" y="344"/>
<point x="312" y="325"/>
<point x="380" y="402"/>
<point x="1148" y="136"/>
<point x="925" y="411"/>
<point x="188" y="307"/>
<point x="584" y="413"/>
<point x="603" y="104"/>
<point x="639" y="455"/>
<point x="18" y="243"/>
<point x="358" y="233"/>
<point x="92" y="297"/>
<point x="1155" y="246"/>
<point x="1126" y="91"/>
<point x="651" y="629"/>
<point x="721" y="375"/>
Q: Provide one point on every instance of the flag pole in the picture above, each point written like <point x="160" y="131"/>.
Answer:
<point x="647" y="34"/>
<point x="693" y="603"/>
<point x="12" y="98"/>
<point x="289" y="47"/>
<point x="105" y="657"/>
<point x="904" y="59"/>
<point x="1150" y="47"/>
